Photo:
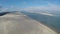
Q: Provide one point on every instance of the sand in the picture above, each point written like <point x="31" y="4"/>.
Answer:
<point x="22" y="24"/>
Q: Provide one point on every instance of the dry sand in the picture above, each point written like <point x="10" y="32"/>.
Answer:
<point x="21" y="24"/>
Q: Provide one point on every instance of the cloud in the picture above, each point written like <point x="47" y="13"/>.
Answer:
<point x="4" y="9"/>
<point x="49" y="7"/>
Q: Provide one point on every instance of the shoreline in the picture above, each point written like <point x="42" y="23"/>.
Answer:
<point x="50" y="27"/>
<point x="23" y="24"/>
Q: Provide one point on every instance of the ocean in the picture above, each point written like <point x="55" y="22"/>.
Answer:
<point x="51" y="21"/>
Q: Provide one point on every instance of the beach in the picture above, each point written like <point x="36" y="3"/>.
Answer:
<point x="21" y="24"/>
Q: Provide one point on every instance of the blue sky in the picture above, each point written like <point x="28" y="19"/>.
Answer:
<point x="27" y="3"/>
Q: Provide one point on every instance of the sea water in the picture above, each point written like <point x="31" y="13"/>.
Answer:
<point x="50" y="21"/>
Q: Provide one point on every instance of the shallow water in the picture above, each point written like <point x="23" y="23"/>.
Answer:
<point x="51" y="21"/>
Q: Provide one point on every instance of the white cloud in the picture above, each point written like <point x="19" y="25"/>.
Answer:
<point x="49" y="7"/>
<point x="4" y="9"/>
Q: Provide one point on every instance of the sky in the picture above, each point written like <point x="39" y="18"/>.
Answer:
<point x="30" y="4"/>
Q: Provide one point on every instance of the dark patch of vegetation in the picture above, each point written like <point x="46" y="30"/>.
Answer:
<point x="3" y="13"/>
